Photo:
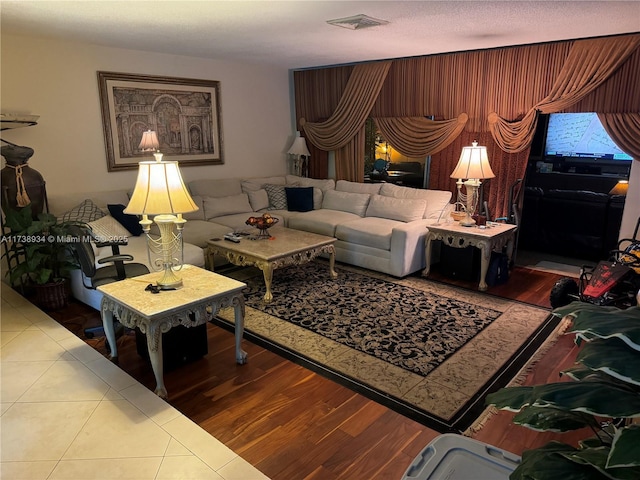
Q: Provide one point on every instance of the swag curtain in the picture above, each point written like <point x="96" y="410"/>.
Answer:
<point x="588" y="65"/>
<point x="343" y="132"/>
<point x="418" y="136"/>
<point x="510" y="81"/>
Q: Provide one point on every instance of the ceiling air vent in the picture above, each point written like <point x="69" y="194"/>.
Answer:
<point x="357" y="22"/>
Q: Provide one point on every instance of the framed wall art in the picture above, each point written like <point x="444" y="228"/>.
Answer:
<point x="184" y="112"/>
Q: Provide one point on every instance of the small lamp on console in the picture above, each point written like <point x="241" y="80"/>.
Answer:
<point x="472" y="166"/>
<point x="301" y="155"/>
<point x="160" y="191"/>
<point x="620" y="188"/>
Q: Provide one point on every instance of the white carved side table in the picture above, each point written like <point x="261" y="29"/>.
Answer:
<point x="202" y="295"/>
<point x="493" y="237"/>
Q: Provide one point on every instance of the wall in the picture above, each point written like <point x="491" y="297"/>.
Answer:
<point x="58" y="81"/>
<point x="632" y="203"/>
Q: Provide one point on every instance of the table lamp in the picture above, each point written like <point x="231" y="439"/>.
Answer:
<point x="472" y="166"/>
<point x="620" y="188"/>
<point x="160" y="191"/>
<point x="301" y="154"/>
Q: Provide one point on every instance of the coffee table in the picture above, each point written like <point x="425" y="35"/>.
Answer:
<point x="285" y="247"/>
<point x="487" y="239"/>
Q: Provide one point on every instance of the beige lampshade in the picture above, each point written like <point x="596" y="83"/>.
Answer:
<point x="160" y="190"/>
<point x="620" y="188"/>
<point x="299" y="146"/>
<point x="473" y="163"/>
<point x="149" y="142"/>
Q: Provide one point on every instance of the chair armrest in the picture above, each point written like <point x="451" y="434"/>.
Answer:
<point x="113" y="243"/>
<point x="116" y="258"/>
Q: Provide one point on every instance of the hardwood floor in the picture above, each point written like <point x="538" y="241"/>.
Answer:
<point x="294" y="424"/>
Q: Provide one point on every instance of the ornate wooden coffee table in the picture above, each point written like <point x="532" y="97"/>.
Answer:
<point x="285" y="247"/>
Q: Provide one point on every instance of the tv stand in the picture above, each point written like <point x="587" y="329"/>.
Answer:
<point x="602" y="183"/>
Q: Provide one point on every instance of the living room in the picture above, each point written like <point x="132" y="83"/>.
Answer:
<point x="56" y="80"/>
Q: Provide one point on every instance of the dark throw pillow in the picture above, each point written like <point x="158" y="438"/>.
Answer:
<point x="299" y="199"/>
<point x="130" y="222"/>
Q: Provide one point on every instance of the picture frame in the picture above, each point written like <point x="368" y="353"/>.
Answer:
<point x="184" y="112"/>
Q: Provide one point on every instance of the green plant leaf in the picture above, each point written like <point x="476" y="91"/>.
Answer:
<point x="549" y="463"/>
<point x="592" y="397"/>
<point x="511" y="398"/>
<point x="604" y="322"/>
<point x="613" y="357"/>
<point x="553" y="419"/>
<point x="625" y="451"/>
<point x="597" y="458"/>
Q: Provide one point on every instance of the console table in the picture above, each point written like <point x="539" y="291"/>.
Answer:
<point x="492" y="237"/>
<point x="202" y="295"/>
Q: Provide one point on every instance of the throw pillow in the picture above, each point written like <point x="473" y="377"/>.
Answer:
<point x="128" y="221"/>
<point x="108" y="229"/>
<point x="258" y="199"/>
<point x="85" y="212"/>
<point x="277" y="196"/>
<point x="299" y="199"/>
<point x="198" y="214"/>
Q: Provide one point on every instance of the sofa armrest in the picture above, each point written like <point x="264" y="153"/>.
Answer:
<point x="407" y="247"/>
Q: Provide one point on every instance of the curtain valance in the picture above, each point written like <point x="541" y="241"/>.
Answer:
<point x="419" y="136"/>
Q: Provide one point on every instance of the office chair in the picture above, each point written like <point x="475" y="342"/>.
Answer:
<point x="93" y="277"/>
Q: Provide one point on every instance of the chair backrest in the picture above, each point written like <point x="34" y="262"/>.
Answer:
<point x="84" y="251"/>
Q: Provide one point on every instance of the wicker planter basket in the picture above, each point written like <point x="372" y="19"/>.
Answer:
<point x="51" y="296"/>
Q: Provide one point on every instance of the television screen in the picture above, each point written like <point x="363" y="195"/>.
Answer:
<point x="580" y="135"/>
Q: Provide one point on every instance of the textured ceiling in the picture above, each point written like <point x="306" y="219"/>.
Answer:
<point x="294" y="34"/>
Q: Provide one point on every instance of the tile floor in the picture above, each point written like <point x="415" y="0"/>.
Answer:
<point x="69" y="413"/>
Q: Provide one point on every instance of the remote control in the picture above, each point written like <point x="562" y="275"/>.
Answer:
<point x="232" y="238"/>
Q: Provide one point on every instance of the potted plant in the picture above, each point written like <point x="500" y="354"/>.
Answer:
<point x="603" y="394"/>
<point x="38" y="256"/>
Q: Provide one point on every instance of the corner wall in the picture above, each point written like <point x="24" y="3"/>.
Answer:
<point x="58" y="81"/>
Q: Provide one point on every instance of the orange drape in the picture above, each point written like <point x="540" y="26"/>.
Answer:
<point x="501" y="90"/>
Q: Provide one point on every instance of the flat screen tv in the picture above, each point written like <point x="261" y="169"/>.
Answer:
<point x="580" y="136"/>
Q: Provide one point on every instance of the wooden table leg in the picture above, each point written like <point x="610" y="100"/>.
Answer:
<point x="109" y="330"/>
<point x="267" y="273"/>
<point x="238" y="310"/>
<point x="154" y="345"/>
<point x="485" y="256"/>
<point x="332" y="262"/>
<point x="427" y="255"/>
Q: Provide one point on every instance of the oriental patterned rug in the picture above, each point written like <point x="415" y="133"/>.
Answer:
<point x="427" y="350"/>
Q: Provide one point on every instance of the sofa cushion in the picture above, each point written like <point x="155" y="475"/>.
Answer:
<point x="299" y="199"/>
<point x="321" y="221"/>
<point x="371" y="231"/>
<point x="219" y="187"/>
<point x="258" y="199"/>
<point x="357" y="187"/>
<point x="324" y="185"/>
<point x="401" y="209"/>
<point x="346" y="202"/>
<point x="277" y="197"/>
<point x="198" y="214"/>
<point x="437" y="200"/>
<point x="85" y="212"/>
<point x="130" y="222"/>
<point x="253" y="184"/>
<point x="108" y="229"/>
<point x="218" y="207"/>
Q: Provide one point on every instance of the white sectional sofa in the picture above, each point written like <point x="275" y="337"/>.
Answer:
<point x="378" y="226"/>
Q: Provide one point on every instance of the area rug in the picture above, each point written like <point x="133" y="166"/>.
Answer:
<point x="427" y="350"/>
<point x="558" y="268"/>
